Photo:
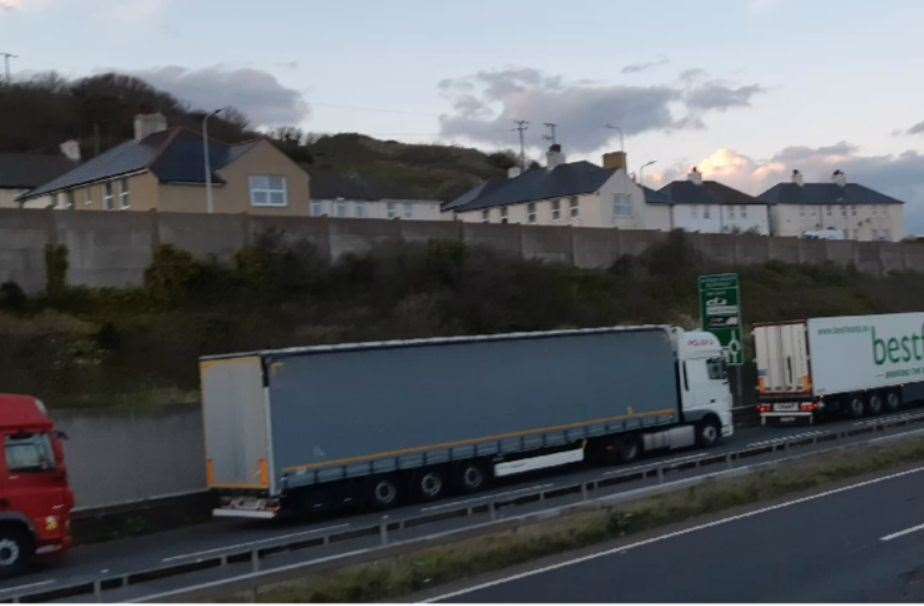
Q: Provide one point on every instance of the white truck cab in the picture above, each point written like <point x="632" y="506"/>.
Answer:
<point x="703" y="378"/>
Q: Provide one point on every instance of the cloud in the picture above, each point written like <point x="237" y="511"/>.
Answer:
<point x="256" y="93"/>
<point x="485" y="104"/>
<point x="634" y="68"/>
<point x="9" y="5"/>
<point x="917" y="129"/>
<point x="898" y="175"/>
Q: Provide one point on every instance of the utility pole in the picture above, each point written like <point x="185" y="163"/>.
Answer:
<point x="522" y="125"/>
<point x="209" y="204"/>
<point x="6" y="62"/>
<point x="551" y="136"/>
<point x="622" y="139"/>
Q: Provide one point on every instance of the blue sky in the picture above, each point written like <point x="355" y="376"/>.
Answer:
<point x="748" y="90"/>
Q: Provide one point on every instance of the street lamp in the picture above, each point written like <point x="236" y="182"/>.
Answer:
<point x="641" y="171"/>
<point x="209" y="204"/>
<point x="622" y="139"/>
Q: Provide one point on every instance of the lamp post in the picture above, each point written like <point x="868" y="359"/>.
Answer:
<point x="641" y="172"/>
<point x="622" y="139"/>
<point x="209" y="203"/>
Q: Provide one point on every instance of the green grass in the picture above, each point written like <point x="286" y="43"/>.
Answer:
<point x="396" y="577"/>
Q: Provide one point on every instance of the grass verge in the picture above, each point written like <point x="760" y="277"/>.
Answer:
<point x="392" y="577"/>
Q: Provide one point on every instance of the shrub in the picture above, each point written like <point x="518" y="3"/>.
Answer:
<point x="56" y="265"/>
<point x="12" y="297"/>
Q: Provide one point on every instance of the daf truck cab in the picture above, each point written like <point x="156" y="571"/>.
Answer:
<point x="35" y="499"/>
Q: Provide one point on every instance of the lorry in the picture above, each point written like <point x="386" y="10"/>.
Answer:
<point x="848" y="365"/>
<point x="35" y="498"/>
<point x="306" y="428"/>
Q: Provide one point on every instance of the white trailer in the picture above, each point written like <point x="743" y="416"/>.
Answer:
<point x="853" y="365"/>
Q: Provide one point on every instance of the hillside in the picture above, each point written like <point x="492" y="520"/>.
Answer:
<point x="98" y="111"/>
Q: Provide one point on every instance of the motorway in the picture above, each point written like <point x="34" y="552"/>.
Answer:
<point x="860" y="544"/>
<point x="195" y="543"/>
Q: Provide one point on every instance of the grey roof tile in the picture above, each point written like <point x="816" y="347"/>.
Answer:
<point x="708" y="192"/>
<point x="25" y="171"/>
<point x="824" y="193"/>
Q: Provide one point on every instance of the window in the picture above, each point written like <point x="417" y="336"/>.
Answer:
<point x="359" y="210"/>
<point x="29" y="453"/>
<point x="556" y="209"/>
<point x="622" y="205"/>
<point x="531" y="212"/>
<point x="744" y="212"/>
<point x="107" y="196"/>
<point x="268" y="190"/>
<point x="392" y="210"/>
<point x="316" y="209"/>
<point x="694" y="211"/>
<point x="706" y="211"/>
<point x="731" y="212"/>
<point x="408" y="210"/>
<point x="485" y="216"/>
<point x="503" y="214"/>
<point x="65" y="200"/>
<point x="340" y="208"/>
<point x="716" y="368"/>
<point x="573" y="205"/>
<point x="844" y="210"/>
<point x="828" y="210"/>
<point x="125" y="194"/>
<point x="853" y="210"/>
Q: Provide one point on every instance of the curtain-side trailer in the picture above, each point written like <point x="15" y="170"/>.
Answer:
<point x="850" y="365"/>
<point x="303" y="428"/>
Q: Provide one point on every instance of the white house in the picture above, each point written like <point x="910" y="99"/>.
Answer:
<point x="20" y="173"/>
<point x="713" y="208"/>
<point x="562" y="193"/>
<point x="859" y="213"/>
<point x="350" y="196"/>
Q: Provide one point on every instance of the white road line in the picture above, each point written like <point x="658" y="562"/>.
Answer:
<point x="487" y="496"/>
<point x="249" y="543"/>
<point x="806" y="434"/>
<point x="902" y="533"/>
<point x="671" y="535"/>
<point x="29" y="585"/>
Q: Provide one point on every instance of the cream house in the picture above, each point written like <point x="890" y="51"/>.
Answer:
<point x="162" y="169"/>
<point x="352" y="196"/>
<point x="576" y="193"/>
<point x="849" y="210"/>
<point x="711" y="207"/>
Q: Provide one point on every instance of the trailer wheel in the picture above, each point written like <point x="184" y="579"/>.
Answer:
<point x="470" y="477"/>
<point x="856" y="407"/>
<point x="708" y="433"/>
<point x="893" y="401"/>
<point x="16" y="550"/>
<point x="875" y="404"/>
<point x="384" y="493"/>
<point x="430" y="484"/>
<point x="629" y="449"/>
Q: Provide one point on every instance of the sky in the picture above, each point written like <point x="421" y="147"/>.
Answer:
<point x="746" y="90"/>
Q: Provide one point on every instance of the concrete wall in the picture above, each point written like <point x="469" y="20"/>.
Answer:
<point x="114" y="249"/>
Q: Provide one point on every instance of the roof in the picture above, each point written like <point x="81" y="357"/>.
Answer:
<point x="18" y="411"/>
<point x="329" y="185"/>
<point x="655" y="197"/>
<point x="824" y="193"/>
<point x="571" y="179"/>
<point x="25" y="171"/>
<point x="708" y="192"/>
<point x="174" y="155"/>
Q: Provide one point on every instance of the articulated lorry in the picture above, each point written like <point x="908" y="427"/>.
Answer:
<point x="848" y="365"/>
<point x="300" y="429"/>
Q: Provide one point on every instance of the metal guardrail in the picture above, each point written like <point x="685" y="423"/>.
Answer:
<point x="488" y="504"/>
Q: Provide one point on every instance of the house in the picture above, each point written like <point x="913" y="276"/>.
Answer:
<point x="352" y="196"/>
<point x="21" y="172"/>
<point x="858" y="212"/>
<point x="713" y="208"/>
<point x="564" y="193"/>
<point x="162" y="169"/>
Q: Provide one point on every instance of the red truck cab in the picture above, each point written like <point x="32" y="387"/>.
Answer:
<point x="35" y="499"/>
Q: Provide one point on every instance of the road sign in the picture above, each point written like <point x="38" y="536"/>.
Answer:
<point x="720" y="313"/>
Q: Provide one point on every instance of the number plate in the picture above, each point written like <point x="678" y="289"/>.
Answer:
<point x="786" y="407"/>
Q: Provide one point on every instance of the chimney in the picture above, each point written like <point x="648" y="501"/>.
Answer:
<point x="554" y="157"/>
<point x="695" y="177"/>
<point x="797" y="177"/>
<point x="71" y="149"/>
<point x="148" y="124"/>
<point x="615" y="161"/>
<point x="839" y="178"/>
<point x="513" y="172"/>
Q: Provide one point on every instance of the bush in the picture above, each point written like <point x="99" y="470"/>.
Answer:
<point x="12" y="297"/>
<point x="56" y="265"/>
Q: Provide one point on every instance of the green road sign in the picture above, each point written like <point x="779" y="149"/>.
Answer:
<point x="720" y="312"/>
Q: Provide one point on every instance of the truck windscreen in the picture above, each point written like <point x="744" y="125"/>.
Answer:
<point x="29" y="453"/>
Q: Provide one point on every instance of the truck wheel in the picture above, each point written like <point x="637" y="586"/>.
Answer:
<point x="629" y="449"/>
<point x="430" y="484"/>
<point x="856" y="407"/>
<point x="470" y="477"/>
<point x="708" y="433"/>
<point x="16" y="550"/>
<point x="875" y="404"/>
<point x="384" y="493"/>
<point x="893" y="401"/>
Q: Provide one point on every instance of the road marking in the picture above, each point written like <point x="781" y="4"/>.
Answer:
<point x="29" y="585"/>
<point x="487" y="496"/>
<point x="671" y="535"/>
<point x="902" y="533"/>
<point x="805" y="434"/>
<point x="249" y="543"/>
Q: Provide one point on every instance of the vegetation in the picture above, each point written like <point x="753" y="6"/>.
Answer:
<point x="396" y="577"/>
<point x="81" y="347"/>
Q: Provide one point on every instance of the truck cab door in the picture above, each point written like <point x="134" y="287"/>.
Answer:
<point x="704" y="388"/>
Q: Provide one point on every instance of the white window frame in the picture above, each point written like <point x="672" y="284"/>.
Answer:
<point x="359" y="210"/>
<point x="317" y="209"/>
<point x="340" y="209"/>
<point x="744" y="211"/>
<point x="556" y="209"/>
<point x="503" y="214"/>
<point x="391" y="210"/>
<point x="574" y="206"/>
<point x="108" y="199"/>
<point x="269" y="191"/>
<point x="622" y="206"/>
<point x="707" y="212"/>
<point x="486" y="215"/>
<point x="407" y="210"/>
<point x="531" y="212"/>
<point x="125" y="194"/>
<point x="731" y="211"/>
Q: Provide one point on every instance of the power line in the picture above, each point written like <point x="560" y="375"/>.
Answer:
<point x="522" y="125"/>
